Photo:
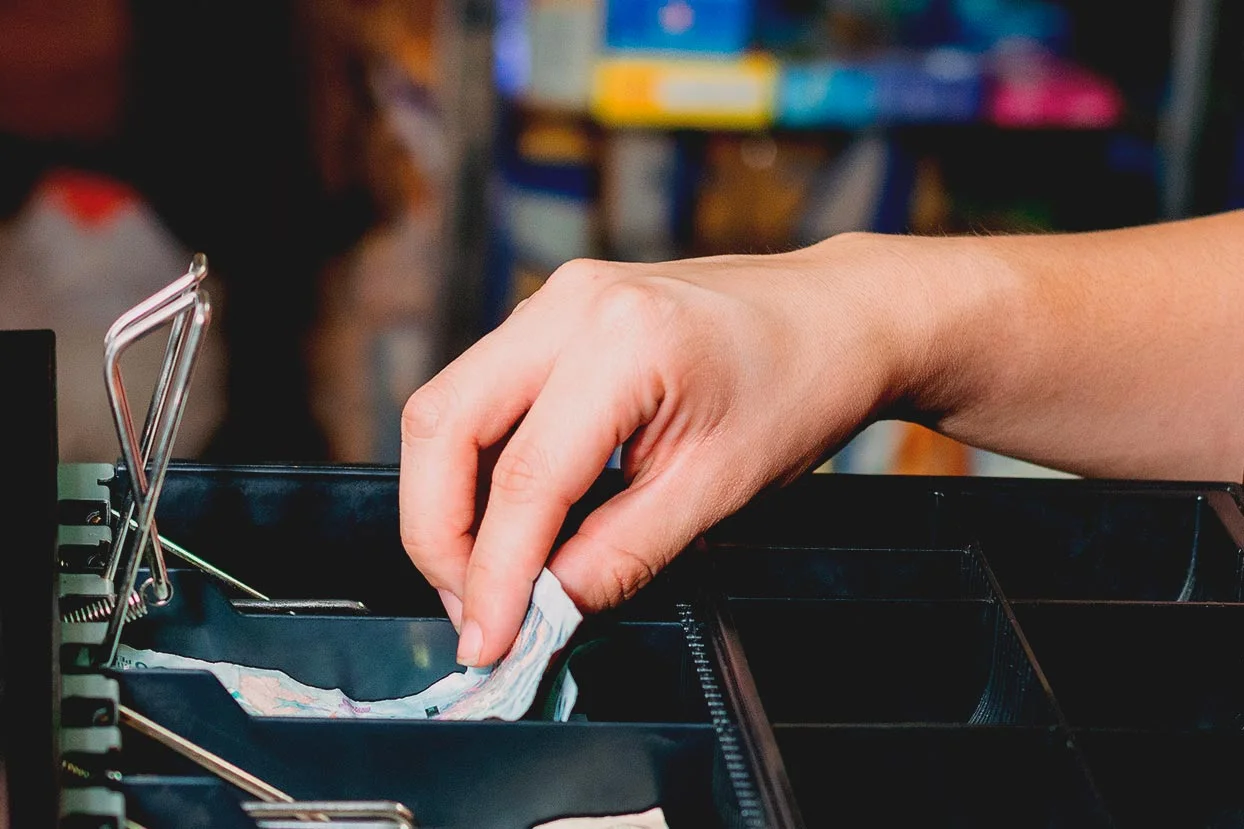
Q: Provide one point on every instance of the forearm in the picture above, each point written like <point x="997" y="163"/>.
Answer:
<point x="1117" y="353"/>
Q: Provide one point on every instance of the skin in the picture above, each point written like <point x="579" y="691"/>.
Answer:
<point x="1115" y="353"/>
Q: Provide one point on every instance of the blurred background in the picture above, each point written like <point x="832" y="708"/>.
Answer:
<point x="377" y="182"/>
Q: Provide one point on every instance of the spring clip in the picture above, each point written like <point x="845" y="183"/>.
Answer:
<point x="101" y="610"/>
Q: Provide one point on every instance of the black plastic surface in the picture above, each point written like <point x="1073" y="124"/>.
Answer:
<point x="883" y="777"/>
<point x="29" y="618"/>
<point x="1169" y="779"/>
<point x="1094" y="547"/>
<point x="186" y="802"/>
<point x="488" y="774"/>
<point x="827" y="573"/>
<point x="940" y="652"/>
<point x="311" y="532"/>
<point x="887" y="662"/>
<point x="1077" y="664"/>
<point x="1156" y="667"/>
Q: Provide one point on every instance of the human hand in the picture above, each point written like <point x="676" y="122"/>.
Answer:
<point x="719" y="376"/>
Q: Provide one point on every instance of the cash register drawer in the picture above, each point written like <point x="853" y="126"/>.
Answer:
<point x="846" y="651"/>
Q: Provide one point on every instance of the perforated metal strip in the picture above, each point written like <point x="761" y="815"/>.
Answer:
<point x="751" y="813"/>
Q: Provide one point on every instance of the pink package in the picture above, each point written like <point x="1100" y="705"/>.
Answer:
<point x="1052" y="94"/>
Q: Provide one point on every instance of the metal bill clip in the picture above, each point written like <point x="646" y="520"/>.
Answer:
<point x="186" y="307"/>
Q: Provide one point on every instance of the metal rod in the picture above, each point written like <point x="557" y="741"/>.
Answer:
<point x="118" y="399"/>
<point x="381" y="810"/>
<point x="274" y="803"/>
<point x="162" y="448"/>
<point x="155" y="411"/>
<point x="148" y="492"/>
<point x="185" y="285"/>
<point x="206" y="566"/>
<point x="217" y="765"/>
<point x="349" y="607"/>
<point x="180" y="338"/>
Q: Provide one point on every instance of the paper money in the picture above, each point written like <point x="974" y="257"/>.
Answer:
<point x="262" y="692"/>
<point x="564" y="698"/>
<point x="651" y="819"/>
<point x="504" y="691"/>
<point x="508" y="691"/>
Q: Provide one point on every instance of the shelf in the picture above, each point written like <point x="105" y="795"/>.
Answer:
<point x="762" y="91"/>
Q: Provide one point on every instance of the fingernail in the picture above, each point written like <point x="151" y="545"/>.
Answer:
<point x="470" y="643"/>
<point x="453" y="607"/>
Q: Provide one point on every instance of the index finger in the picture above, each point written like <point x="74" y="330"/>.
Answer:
<point x="470" y="405"/>
<point x="583" y="413"/>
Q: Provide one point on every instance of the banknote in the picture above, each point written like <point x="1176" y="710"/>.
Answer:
<point x="262" y="692"/>
<point x="504" y="691"/>
<point x="509" y="689"/>
<point x="651" y="819"/>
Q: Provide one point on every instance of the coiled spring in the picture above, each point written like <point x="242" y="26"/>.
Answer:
<point x="101" y="609"/>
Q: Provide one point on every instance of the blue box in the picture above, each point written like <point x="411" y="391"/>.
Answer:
<point x="696" y="26"/>
<point x="983" y="24"/>
<point x="827" y="93"/>
<point x="935" y="87"/>
<point x="942" y="86"/>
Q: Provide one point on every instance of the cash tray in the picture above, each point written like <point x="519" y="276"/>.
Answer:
<point x="846" y="650"/>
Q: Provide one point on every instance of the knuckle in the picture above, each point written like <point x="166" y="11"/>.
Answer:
<point x="624" y="572"/>
<point x="520" y="472"/>
<point x="632" y="306"/>
<point x="425" y="412"/>
<point x="576" y="270"/>
<point x="628" y="574"/>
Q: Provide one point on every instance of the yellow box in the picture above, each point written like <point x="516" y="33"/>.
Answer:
<point x="707" y="93"/>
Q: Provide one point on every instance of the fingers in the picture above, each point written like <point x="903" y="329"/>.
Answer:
<point x="453" y="607"/>
<point x="592" y="401"/>
<point x="473" y="403"/>
<point x="624" y="543"/>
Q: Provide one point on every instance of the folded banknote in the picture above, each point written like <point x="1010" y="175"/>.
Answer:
<point x="504" y="691"/>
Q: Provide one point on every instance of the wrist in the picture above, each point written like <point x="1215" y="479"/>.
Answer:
<point x="941" y="309"/>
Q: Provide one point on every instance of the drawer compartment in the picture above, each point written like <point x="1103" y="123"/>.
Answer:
<point x="1173" y="666"/>
<point x="887" y="662"/>
<point x="936" y="777"/>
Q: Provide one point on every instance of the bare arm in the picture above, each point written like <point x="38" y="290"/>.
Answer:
<point x="1111" y="353"/>
<point x="1107" y="354"/>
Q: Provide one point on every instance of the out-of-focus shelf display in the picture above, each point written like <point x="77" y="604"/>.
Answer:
<point x="935" y="87"/>
<point x="647" y="130"/>
<point x="687" y="64"/>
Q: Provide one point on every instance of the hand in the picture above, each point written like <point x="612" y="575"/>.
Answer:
<point x="719" y="376"/>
